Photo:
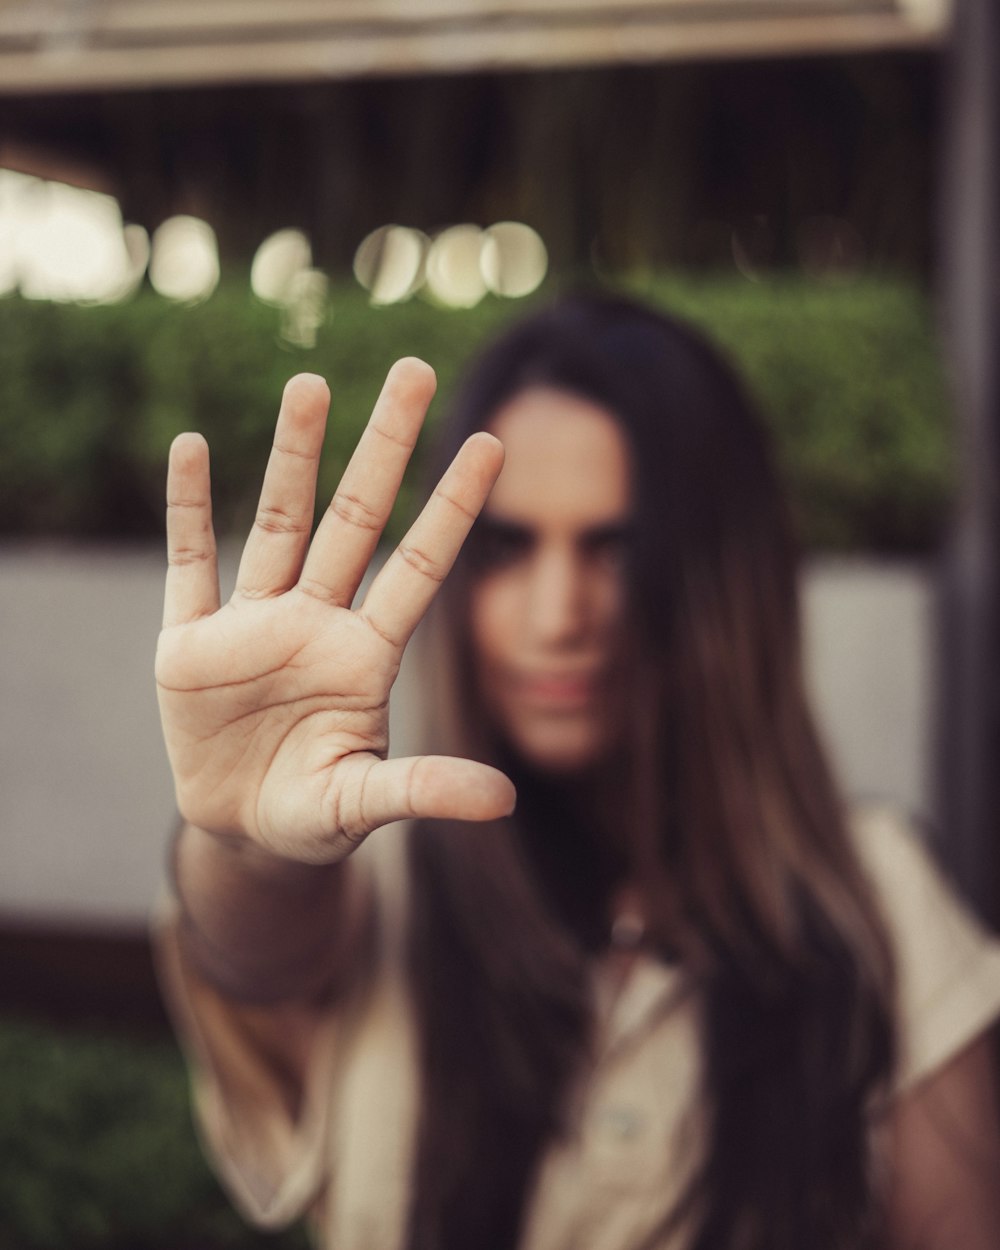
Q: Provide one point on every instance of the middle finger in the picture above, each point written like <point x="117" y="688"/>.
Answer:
<point x="349" y="531"/>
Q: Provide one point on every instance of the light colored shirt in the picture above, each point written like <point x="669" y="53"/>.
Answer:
<point x="300" y="1121"/>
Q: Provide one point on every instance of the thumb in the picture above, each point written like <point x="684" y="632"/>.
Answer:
<point x="423" y="787"/>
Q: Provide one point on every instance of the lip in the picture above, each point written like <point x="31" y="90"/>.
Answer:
<point x="557" y="691"/>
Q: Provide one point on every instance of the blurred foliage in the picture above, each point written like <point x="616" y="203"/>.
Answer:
<point x="851" y="381"/>
<point x="90" y="397"/>
<point x="97" y="1150"/>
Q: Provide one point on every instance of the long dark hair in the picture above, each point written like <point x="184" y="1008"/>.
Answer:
<point x="728" y="816"/>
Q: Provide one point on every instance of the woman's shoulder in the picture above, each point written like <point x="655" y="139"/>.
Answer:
<point x="914" y="889"/>
<point x="947" y="962"/>
<point x="895" y="851"/>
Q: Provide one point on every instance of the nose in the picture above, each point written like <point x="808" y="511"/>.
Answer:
<point x="556" y="600"/>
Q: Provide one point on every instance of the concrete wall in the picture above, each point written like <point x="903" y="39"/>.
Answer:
<point x="86" y="802"/>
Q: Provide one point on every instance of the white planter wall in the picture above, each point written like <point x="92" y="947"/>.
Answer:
<point x="86" y="802"/>
<point x="869" y="633"/>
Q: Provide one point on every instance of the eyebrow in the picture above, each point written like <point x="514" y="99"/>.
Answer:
<point x="508" y="528"/>
<point x="612" y="529"/>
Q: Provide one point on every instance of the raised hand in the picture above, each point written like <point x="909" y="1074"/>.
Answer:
<point x="275" y="705"/>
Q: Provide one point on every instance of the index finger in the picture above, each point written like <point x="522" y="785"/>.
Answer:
<point x="192" y="589"/>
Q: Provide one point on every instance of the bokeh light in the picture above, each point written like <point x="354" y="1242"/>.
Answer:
<point x="14" y="190"/>
<point x="389" y="263"/>
<point x="278" y="262"/>
<point x="454" y="272"/>
<point x="66" y="244"/>
<point x="305" y="307"/>
<point x="457" y="268"/>
<point x="184" y="260"/>
<point x="513" y="259"/>
<point x="137" y="246"/>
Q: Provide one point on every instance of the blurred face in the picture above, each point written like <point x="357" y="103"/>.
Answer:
<point x="546" y="608"/>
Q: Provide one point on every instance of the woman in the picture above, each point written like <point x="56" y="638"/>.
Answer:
<point x="674" y="1000"/>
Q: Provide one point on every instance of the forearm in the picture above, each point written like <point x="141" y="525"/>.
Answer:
<point x="263" y="929"/>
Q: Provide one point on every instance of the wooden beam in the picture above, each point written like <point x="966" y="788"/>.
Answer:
<point x="101" y="59"/>
<point x="233" y="15"/>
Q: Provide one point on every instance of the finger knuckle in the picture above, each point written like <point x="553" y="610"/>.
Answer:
<point x="390" y="436"/>
<point x="296" y="453"/>
<point x="386" y="635"/>
<point x="448" y="498"/>
<point x="413" y="787"/>
<point x="184" y="556"/>
<point x="315" y="589"/>
<point x="424" y="564"/>
<point x="354" y="511"/>
<point x="274" y="520"/>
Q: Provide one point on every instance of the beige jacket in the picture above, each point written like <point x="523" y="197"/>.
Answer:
<point x="323" y="1123"/>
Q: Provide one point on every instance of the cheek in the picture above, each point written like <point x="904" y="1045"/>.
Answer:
<point x="608" y="603"/>
<point x="493" y="617"/>
<point x="612" y="598"/>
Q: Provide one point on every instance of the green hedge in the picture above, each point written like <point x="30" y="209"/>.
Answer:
<point x="97" y="1151"/>
<point x="91" y="397"/>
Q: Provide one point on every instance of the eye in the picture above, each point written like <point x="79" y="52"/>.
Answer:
<point x="496" y="545"/>
<point x="608" y="546"/>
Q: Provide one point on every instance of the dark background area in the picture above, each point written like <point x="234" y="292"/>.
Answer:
<point x="630" y="166"/>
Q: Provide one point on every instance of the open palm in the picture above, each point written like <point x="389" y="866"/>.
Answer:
<point x="275" y="705"/>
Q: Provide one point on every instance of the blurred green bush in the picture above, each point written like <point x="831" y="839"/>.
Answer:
<point x="97" y="1151"/>
<point x="848" y="375"/>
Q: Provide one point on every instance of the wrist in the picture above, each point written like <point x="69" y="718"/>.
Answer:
<point x="200" y="848"/>
<point x="256" y="925"/>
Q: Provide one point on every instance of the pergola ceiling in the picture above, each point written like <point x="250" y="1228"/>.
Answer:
<point x="81" y="45"/>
